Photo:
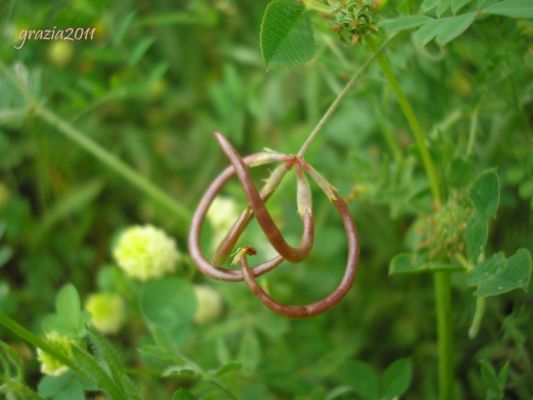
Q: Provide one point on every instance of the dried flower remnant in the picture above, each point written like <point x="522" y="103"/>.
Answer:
<point x="256" y="201"/>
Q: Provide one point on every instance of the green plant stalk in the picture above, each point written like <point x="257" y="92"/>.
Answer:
<point x="478" y="317"/>
<point x="342" y="94"/>
<point x="115" y="164"/>
<point x="103" y="379"/>
<point x="413" y="124"/>
<point x="104" y="156"/>
<point x="443" y="305"/>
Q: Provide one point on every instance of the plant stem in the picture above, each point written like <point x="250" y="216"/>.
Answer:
<point x="103" y="155"/>
<point x="478" y="316"/>
<point x="115" y="164"/>
<point x="472" y="131"/>
<point x="103" y="379"/>
<point x="443" y="304"/>
<point x="329" y="112"/>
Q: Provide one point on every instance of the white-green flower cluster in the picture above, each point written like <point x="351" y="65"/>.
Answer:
<point x="209" y="304"/>
<point x="50" y="365"/>
<point x="222" y="214"/>
<point x="145" y="252"/>
<point x="107" y="312"/>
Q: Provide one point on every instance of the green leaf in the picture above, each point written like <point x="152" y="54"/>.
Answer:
<point x="182" y="394"/>
<point x="452" y="27"/>
<point x="486" y="269"/>
<point x="476" y="234"/>
<point x="494" y="383"/>
<point x="70" y="320"/>
<point x="75" y="200"/>
<point x="180" y="370"/>
<point x="107" y="355"/>
<point x="485" y="193"/>
<point x="458" y="4"/>
<point x="231" y="366"/>
<point x="396" y="378"/>
<point x="460" y="173"/>
<point x="5" y="255"/>
<point x="427" y="32"/>
<point x="57" y="323"/>
<point x="250" y="351"/>
<point x="364" y="380"/>
<point x="442" y="7"/>
<point x="496" y="275"/>
<point x="404" y="23"/>
<point x="410" y="263"/>
<point x="140" y="50"/>
<point x="512" y="8"/>
<point x="64" y="387"/>
<point x="68" y="303"/>
<point x="428" y="5"/>
<point x="169" y="303"/>
<point x="287" y="38"/>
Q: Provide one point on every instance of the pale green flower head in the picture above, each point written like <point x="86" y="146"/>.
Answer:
<point x="145" y="252"/>
<point x="107" y="312"/>
<point x="209" y="304"/>
<point x="222" y="214"/>
<point x="50" y="365"/>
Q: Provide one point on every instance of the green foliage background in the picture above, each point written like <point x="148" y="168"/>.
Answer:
<point x="153" y="85"/>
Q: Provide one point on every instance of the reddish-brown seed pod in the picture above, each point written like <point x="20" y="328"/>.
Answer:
<point x="196" y="225"/>
<point x="256" y="202"/>
<point x="261" y="213"/>
<point x="229" y="241"/>
<point x="333" y="298"/>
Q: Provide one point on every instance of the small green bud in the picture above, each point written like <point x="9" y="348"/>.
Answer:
<point x="107" y="312"/>
<point x="209" y="304"/>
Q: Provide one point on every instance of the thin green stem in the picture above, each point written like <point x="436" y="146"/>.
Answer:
<point x="478" y="317"/>
<point x="115" y="164"/>
<point x="335" y="104"/>
<point x="103" y="155"/>
<point x="443" y="304"/>
<point x="103" y="379"/>
<point x="409" y="114"/>
<point x="472" y="132"/>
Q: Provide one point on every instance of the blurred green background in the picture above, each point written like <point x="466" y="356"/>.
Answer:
<point x="156" y="81"/>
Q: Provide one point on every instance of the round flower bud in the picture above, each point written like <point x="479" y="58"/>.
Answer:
<point x="60" y="53"/>
<point x="4" y="195"/>
<point x="223" y="212"/>
<point x="107" y="312"/>
<point x="50" y="365"/>
<point x="145" y="252"/>
<point x="209" y="304"/>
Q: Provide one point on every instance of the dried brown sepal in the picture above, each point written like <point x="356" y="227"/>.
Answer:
<point x="303" y="194"/>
